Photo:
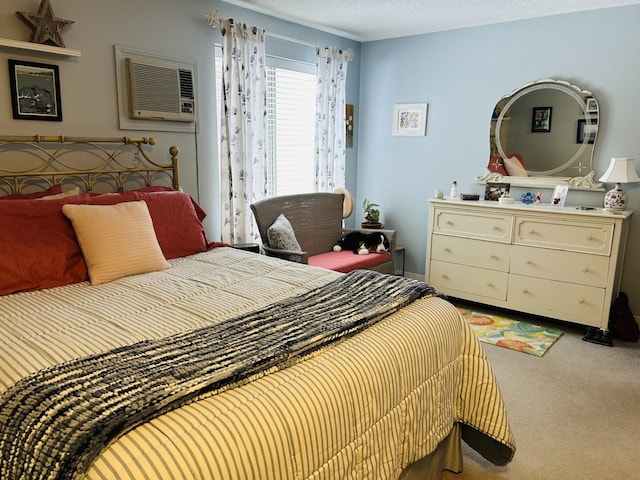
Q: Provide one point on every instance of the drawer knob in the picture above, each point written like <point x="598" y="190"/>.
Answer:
<point x="529" y="262"/>
<point x="589" y="237"/>
<point x="525" y="291"/>
<point x="447" y="249"/>
<point x="585" y="270"/>
<point x="581" y="301"/>
<point x="497" y="227"/>
<point x="532" y="232"/>
<point x="490" y="285"/>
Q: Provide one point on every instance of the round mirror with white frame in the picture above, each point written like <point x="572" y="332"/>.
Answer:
<point x="543" y="134"/>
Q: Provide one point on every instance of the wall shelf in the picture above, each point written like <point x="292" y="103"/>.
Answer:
<point x="5" y="42"/>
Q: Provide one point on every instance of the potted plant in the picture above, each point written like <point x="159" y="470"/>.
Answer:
<point x="371" y="215"/>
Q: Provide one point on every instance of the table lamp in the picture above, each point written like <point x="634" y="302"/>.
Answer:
<point x="621" y="170"/>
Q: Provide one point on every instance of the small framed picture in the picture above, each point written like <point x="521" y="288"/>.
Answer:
<point x="559" y="195"/>
<point x="586" y="130"/>
<point x="410" y="119"/>
<point x="541" y="119"/>
<point x="592" y="104"/>
<point x="35" y="91"/>
<point x="493" y="191"/>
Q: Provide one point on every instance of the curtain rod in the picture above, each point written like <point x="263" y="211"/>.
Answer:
<point x="213" y="19"/>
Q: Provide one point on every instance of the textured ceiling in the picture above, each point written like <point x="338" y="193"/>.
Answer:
<point x="366" y="20"/>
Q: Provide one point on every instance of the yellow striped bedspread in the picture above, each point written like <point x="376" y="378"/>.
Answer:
<point x="364" y="408"/>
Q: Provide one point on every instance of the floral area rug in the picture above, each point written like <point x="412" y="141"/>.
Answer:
<point x="512" y="334"/>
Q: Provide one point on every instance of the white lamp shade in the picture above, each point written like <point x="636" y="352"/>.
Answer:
<point x="621" y="170"/>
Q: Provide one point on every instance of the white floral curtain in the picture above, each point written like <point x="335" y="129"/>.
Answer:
<point x="330" y="148"/>
<point x="243" y="156"/>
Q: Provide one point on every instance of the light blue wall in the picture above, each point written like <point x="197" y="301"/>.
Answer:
<point x="461" y="74"/>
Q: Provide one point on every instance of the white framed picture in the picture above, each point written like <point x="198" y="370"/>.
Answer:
<point x="559" y="195"/>
<point x="410" y="119"/>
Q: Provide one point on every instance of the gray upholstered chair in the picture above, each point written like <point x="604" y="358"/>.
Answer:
<point x="317" y="221"/>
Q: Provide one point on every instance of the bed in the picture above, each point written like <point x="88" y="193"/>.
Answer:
<point x="130" y="351"/>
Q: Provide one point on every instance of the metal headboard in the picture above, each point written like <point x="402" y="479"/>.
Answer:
<point x="32" y="163"/>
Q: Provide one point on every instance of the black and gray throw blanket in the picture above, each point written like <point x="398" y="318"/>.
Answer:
<point x="54" y="423"/>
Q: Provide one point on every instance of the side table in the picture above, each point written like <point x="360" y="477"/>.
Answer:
<point x="249" y="247"/>
<point x="400" y="249"/>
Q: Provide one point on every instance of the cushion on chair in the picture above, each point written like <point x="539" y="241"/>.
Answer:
<point x="347" y="261"/>
<point x="281" y="235"/>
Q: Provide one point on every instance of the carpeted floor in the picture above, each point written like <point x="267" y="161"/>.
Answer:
<point x="574" y="412"/>
<point x="509" y="333"/>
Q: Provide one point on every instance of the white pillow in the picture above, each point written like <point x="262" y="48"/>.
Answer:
<point x="116" y="240"/>
<point x="281" y="235"/>
<point x="514" y="167"/>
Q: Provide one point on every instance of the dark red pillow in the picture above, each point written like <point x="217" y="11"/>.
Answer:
<point x="54" y="190"/>
<point x="175" y="221"/>
<point x="38" y="247"/>
<point x="496" y="165"/>
<point x="160" y="188"/>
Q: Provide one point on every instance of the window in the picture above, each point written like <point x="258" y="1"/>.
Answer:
<point x="290" y="124"/>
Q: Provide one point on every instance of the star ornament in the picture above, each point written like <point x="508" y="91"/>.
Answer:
<point x="46" y="27"/>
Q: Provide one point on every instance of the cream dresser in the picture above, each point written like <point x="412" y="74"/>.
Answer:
<point x="558" y="262"/>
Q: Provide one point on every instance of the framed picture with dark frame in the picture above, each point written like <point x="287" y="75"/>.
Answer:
<point x="35" y="91"/>
<point x="493" y="191"/>
<point x="541" y="119"/>
<point x="588" y="130"/>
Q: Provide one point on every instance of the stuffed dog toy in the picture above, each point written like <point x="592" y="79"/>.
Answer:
<point x="363" y="243"/>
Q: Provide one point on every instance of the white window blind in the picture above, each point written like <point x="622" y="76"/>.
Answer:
<point x="291" y="105"/>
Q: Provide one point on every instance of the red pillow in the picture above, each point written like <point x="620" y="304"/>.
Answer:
<point x="54" y="190"/>
<point x="496" y="165"/>
<point x="38" y="247"/>
<point x="160" y="188"/>
<point x="177" y="226"/>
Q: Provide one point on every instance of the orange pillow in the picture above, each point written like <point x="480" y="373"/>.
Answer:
<point x="116" y="240"/>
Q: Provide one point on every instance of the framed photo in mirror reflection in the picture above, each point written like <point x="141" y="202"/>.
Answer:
<point x="592" y="105"/>
<point x="588" y="130"/>
<point x="541" y="119"/>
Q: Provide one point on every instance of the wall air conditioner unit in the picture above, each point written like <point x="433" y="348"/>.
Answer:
<point x="160" y="91"/>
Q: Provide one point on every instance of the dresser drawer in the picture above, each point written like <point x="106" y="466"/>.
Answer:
<point x="589" y="237"/>
<point x="475" y="253"/>
<point x="450" y="278"/>
<point x="579" y="268"/>
<point x="480" y="225"/>
<point x="540" y="296"/>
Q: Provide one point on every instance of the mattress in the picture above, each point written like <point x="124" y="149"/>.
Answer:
<point x="364" y="408"/>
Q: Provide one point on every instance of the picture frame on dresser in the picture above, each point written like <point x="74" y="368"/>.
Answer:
<point x="35" y="91"/>
<point x="559" y="195"/>
<point x="493" y="191"/>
